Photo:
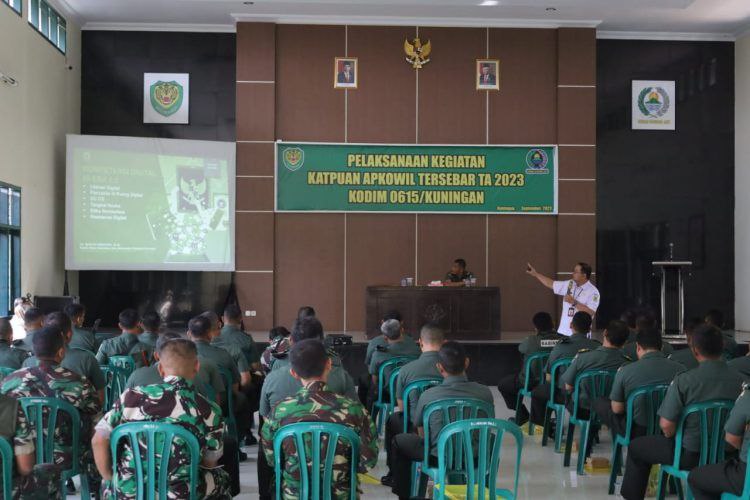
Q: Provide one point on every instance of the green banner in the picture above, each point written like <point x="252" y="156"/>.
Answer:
<point x="382" y="178"/>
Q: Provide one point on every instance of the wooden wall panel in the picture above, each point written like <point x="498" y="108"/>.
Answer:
<point x="577" y="56"/>
<point x="254" y="194"/>
<point x="256" y="56"/>
<point x="577" y="162"/>
<point x="576" y="116"/>
<point x="577" y="197"/>
<point x="254" y="241"/>
<point x="255" y="158"/>
<point x="255" y="112"/>
<point x="255" y="293"/>
<point x="576" y="241"/>
<point x="443" y="238"/>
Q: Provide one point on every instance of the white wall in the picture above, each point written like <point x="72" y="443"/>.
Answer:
<point x="34" y="118"/>
<point x="742" y="183"/>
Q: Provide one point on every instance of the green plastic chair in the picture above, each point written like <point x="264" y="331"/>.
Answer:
<point x="380" y="408"/>
<point x="117" y="379"/>
<point x="745" y="490"/>
<point x="451" y="410"/>
<point x="392" y="379"/>
<point x="6" y="455"/>
<point x="713" y="415"/>
<point x="537" y="361"/>
<point x="316" y="471"/>
<point x="482" y="466"/>
<point x="597" y="383"/>
<point x="652" y="397"/>
<point x="125" y="362"/>
<point x="157" y="439"/>
<point x="43" y="415"/>
<point x="5" y="371"/>
<point x="417" y="388"/>
<point x="231" y="421"/>
<point x="555" y="371"/>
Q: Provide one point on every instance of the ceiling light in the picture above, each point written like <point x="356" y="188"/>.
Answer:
<point x="489" y="3"/>
<point x="248" y="3"/>
<point x="550" y="9"/>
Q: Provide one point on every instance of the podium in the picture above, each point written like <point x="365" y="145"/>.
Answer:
<point x="672" y="295"/>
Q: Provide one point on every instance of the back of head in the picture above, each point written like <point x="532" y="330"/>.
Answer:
<point x="617" y="333"/>
<point x="542" y="322"/>
<point x="391" y="329"/>
<point x="452" y="357"/>
<point x="278" y="331"/>
<point x="392" y="314"/>
<point x="199" y="327"/>
<point x="59" y="320"/>
<point x="178" y="357"/>
<point x="715" y="317"/>
<point x="233" y="313"/>
<point x="307" y="328"/>
<point x="164" y="339"/>
<point x="74" y="310"/>
<point x="585" y="269"/>
<point x="47" y="342"/>
<point x="649" y="339"/>
<point x="305" y="312"/>
<point x="628" y="317"/>
<point x="151" y="321"/>
<point x="581" y="322"/>
<point x="308" y="358"/>
<point x="691" y="324"/>
<point x="432" y="335"/>
<point x="128" y="319"/>
<point x="6" y="329"/>
<point x="645" y="320"/>
<point x="32" y="316"/>
<point x="708" y="341"/>
<point x="461" y="263"/>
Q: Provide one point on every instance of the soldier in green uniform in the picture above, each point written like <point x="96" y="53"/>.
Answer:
<point x="396" y="346"/>
<point x="715" y="318"/>
<point x="545" y="338"/>
<point x="82" y="339"/>
<point x="713" y="379"/>
<point x="457" y="274"/>
<point x="122" y="345"/>
<point x="431" y="339"/>
<point x="50" y="379"/>
<point x="651" y="368"/>
<point x="710" y="481"/>
<point x="406" y="448"/>
<point x="567" y="348"/>
<point x="76" y="360"/>
<point x="175" y="401"/>
<point x="641" y="322"/>
<point x="685" y="356"/>
<point x="10" y="357"/>
<point x="315" y="402"/>
<point x="741" y="365"/>
<point x="32" y="323"/>
<point x="231" y="334"/>
<point x="144" y="349"/>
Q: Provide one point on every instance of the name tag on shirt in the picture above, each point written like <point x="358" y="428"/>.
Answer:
<point x="549" y="342"/>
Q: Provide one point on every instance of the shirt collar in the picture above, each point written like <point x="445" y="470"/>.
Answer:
<point x="653" y="354"/>
<point x="429" y="354"/>
<point x="453" y="379"/>
<point x="712" y="364"/>
<point x="316" y="386"/>
<point x="176" y="381"/>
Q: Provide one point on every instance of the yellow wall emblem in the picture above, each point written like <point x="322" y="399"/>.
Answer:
<point x="417" y="53"/>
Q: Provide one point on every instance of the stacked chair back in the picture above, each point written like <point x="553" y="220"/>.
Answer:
<point x="651" y="397"/>
<point x="151" y="442"/>
<point x="380" y="409"/>
<point x="556" y="371"/>
<point x="713" y="415"/>
<point x="45" y="415"/>
<point x="117" y="379"/>
<point x="315" y="445"/>
<point x="125" y="362"/>
<point x="480" y="442"/>
<point x="414" y="390"/>
<point x="392" y="390"/>
<point x="533" y="371"/>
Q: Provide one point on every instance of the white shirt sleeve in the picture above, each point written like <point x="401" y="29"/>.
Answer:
<point x="591" y="299"/>
<point x="560" y="287"/>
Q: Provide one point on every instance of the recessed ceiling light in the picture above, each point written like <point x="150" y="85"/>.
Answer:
<point x="489" y="3"/>
<point x="248" y="3"/>
<point x="550" y="9"/>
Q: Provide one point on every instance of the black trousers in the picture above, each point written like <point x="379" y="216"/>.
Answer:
<point x="363" y="389"/>
<point x="266" y="485"/>
<point x="642" y="454"/>
<point x="615" y="421"/>
<point x="539" y="398"/>
<point x="509" y="386"/>
<point x="231" y="465"/>
<point x="393" y="427"/>
<point x="710" y="481"/>
<point x="405" y="449"/>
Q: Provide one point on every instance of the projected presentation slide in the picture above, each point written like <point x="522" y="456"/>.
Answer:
<point x="149" y="204"/>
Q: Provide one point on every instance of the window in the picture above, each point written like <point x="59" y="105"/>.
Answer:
<point x="13" y="4"/>
<point x="48" y="22"/>
<point x="10" y="246"/>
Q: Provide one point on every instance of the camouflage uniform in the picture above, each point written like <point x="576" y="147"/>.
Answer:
<point x="315" y="403"/>
<point x="78" y="361"/>
<point x="277" y="349"/>
<point x="52" y="380"/>
<point x="10" y="357"/>
<point x="208" y="382"/>
<point x="174" y="401"/>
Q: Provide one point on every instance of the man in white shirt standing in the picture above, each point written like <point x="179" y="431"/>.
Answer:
<point x="578" y="293"/>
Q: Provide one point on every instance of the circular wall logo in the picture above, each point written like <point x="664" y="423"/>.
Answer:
<point x="653" y="102"/>
<point x="293" y="158"/>
<point x="536" y="161"/>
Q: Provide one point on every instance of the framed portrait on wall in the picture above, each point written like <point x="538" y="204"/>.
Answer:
<point x="345" y="73"/>
<point x="166" y="98"/>
<point x="488" y="74"/>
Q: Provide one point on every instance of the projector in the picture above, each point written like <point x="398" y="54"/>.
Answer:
<point x="338" y="339"/>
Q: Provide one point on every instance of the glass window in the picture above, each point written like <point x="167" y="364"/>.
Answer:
<point x="13" y="4"/>
<point x="10" y="246"/>
<point x="48" y="22"/>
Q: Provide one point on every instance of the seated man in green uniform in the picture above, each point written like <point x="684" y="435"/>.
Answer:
<point x="278" y="347"/>
<point x="396" y="346"/>
<point x="457" y="274"/>
<point x="567" y="348"/>
<point x="82" y="339"/>
<point x="175" y="401"/>
<point x="50" y="379"/>
<point x="10" y="357"/>
<point x="685" y="356"/>
<point x="651" y="368"/>
<point x="32" y="323"/>
<point x="431" y="339"/>
<point x="315" y="402"/>
<point x="144" y="349"/>
<point x="76" y="360"/>
<point x="452" y="363"/>
<point x="643" y="321"/>
<point x="713" y="379"/>
<point x="710" y="481"/>
<point x="715" y="318"/>
<point x="231" y="334"/>
<point x="544" y="339"/>
<point x="130" y="324"/>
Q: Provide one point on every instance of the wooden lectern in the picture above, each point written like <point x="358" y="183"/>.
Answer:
<point x="672" y="295"/>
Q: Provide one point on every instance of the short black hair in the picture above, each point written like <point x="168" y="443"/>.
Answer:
<point x="278" y="331"/>
<point x="715" y="317"/>
<point x="47" y="342"/>
<point x="452" y="357"/>
<point x="708" y="341"/>
<point x="628" y="317"/>
<point x="32" y="315"/>
<point x="165" y="338"/>
<point x="59" y="320"/>
<point x="233" y="312"/>
<point x="691" y="324"/>
<point x="581" y="322"/>
<point x="392" y="314"/>
<point x="151" y="320"/>
<point x="649" y="338"/>
<point x="543" y="321"/>
<point x="308" y="358"/>
<point x="74" y="310"/>
<point x="306" y="312"/>
<point x="585" y="269"/>
<point x="617" y="332"/>
<point x="128" y="318"/>
<point x="200" y="326"/>
<point x="307" y="328"/>
<point x="645" y="320"/>
<point x="461" y="262"/>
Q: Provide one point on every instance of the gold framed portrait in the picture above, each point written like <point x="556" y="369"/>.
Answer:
<point x="345" y="73"/>
<point x="487" y="74"/>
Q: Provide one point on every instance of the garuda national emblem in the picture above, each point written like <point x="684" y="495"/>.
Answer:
<point x="417" y="53"/>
